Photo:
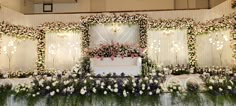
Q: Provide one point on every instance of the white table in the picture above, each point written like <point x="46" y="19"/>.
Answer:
<point x="127" y="65"/>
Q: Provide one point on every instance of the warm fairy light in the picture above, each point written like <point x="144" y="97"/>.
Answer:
<point x="9" y="50"/>
<point x="115" y="27"/>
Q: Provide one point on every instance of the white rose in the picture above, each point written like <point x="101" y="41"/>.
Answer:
<point x="115" y="90"/>
<point x="57" y="90"/>
<point x="220" y="89"/>
<point x="174" y="87"/>
<point x="140" y="92"/>
<point x="124" y="93"/>
<point x="221" y="80"/>
<point x="150" y="81"/>
<point x="158" y="91"/>
<point x="229" y="87"/>
<point x="115" y="85"/>
<point x="47" y="87"/>
<point x="33" y="95"/>
<point x="105" y="92"/>
<point x="210" y="87"/>
<point x="97" y="82"/>
<point x="109" y="87"/>
<point x="52" y="93"/>
<point x="134" y="84"/>
<point x="94" y="90"/>
<point x="150" y="93"/>
<point x="156" y="81"/>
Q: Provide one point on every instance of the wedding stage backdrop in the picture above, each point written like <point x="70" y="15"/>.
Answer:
<point x="215" y="49"/>
<point x="168" y="47"/>
<point x="63" y="49"/>
<point x="18" y="54"/>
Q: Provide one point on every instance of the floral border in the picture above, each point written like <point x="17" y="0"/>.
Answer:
<point x="219" y="24"/>
<point x="139" y="19"/>
<point x="23" y="32"/>
<point x="179" y="23"/>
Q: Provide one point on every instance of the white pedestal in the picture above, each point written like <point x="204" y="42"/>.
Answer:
<point x="127" y="65"/>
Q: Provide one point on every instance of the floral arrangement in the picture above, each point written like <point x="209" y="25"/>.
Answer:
<point x="215" y="70"/>
<point x="174" y="87"/>
<point x="59" y="27"/>
<point x="114" y="50"/>
<point x="141" y="20"/>
<point x="22" y="32"/>
<point x="219" y="84"/>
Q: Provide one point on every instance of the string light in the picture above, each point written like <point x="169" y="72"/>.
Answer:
<point x="9" y="50"/>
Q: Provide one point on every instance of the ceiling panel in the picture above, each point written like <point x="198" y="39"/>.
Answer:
<point x="53" y="1"/>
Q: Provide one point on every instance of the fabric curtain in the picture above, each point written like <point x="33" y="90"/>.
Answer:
<point x="214" y="49"/>
<point x="106" y="33"/>
<point x="168" y="47"/>
<point x="62" y="49"/>
<point x="22" y="54"/>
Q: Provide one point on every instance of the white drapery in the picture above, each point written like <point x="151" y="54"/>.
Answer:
<point x="106" y="33"/>
<point x="62" y="49"/>
<point x="214" y="49"/>
<point x="24" y="56"/>
<point x="168" y="47"/>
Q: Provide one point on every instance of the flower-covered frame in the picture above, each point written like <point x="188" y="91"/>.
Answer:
<point x="22" y="32"/>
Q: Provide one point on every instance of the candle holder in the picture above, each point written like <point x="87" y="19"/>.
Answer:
<point x="74" y="50"/>
<point x="9" y="50"/>
<point x="218" y="41"/>
<point x="176" y="47"/>
<point x="52" y="51"/>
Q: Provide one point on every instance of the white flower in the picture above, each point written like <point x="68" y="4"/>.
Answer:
<point x="148" y="88"/>
<point x="115" y="85"/>
<point x="210" y="87"/>
<point x="33" y="84"/>
<point x="82" y="91"/>
<point x="115" y="90"/>
<point x="134" y="84"/>
<point x="97" y="82"/>
<point x="102" y="83"/>
<point x="220" y="89"/>
<point x="229" y="87"/>
<point x="150" y="81"/>
<point x="105" y="92"/>
<point x="232" y="83"/>
<point x="221" y="80"/>
<point x="102" y="87"/>
<point x="156" y="81"/>
<point x="57" y="90"/>
<point x="37" y="93"/>
<point x="145" y="78"/>
<point x="47" y="87"/>
<point x="94" y="90"/>
<point x="85" y="81"/>
<point x="109" y="87"/>
<point x="150" y="93"/>
<point x="179" y="88"/>
<point x="124" y="93"/>
<point x="212" y="81"/>
<point x="158" y="91"/>
<point x="52" y="93"/>
<point x="33" y="95"/>
<point x="174" y="87"/>
<point x="171" y="90"/>
<point x="143" y="85"/>
<point x="74" y="75"/>
<point x="141" y="92"/>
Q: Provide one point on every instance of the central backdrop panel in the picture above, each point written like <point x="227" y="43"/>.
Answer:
<point x="106" y="33"/>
